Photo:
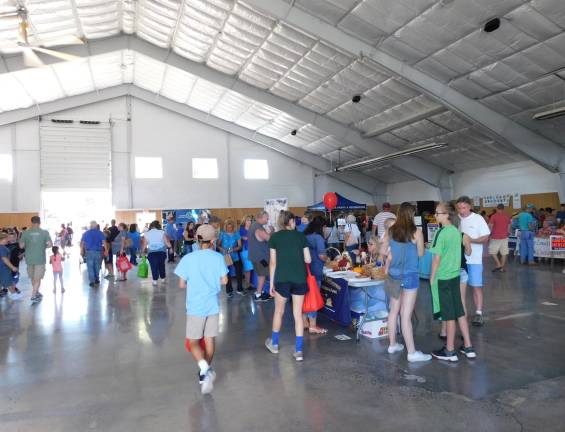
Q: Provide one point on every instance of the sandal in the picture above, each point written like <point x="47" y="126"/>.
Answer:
<point x="317" y="330"/>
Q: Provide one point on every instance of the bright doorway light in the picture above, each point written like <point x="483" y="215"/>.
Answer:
<point x="76" y="207"/>
<point x="255" y="169"/>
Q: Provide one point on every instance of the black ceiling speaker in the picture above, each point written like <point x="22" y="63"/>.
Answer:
<point x="294" y="132"/>
<point x="356" y="99"/>
<point x="492" y="25"/>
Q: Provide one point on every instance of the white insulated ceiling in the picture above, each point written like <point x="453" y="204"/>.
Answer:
<point x="516" y="70"/>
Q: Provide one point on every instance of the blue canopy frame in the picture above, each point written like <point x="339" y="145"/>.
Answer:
<point x="343" y="204"/>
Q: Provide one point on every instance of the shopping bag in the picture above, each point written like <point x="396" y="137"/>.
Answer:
<point x="313" y="300"/>
<point x="143" y="268"/>
<point x="123" y="263"/>
<point x="247" y="265"/>
<point x="228" y="259"/>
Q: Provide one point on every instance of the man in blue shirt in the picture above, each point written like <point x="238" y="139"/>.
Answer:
<point x="171" y="231"/>
<point x="91" y="246"/>
<point x="527" y="225"/>
<point x="203" y="273"/>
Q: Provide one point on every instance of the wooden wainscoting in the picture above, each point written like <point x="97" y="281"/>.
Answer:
<point x="19" y="220"/>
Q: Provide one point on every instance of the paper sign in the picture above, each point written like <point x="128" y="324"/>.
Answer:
<point x="557" y="243"/>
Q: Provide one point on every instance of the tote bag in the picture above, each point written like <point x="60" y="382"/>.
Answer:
<point x="143" y="268"/>
<point x="313" y="300"/>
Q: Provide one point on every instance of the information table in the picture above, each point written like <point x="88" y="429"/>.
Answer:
<point x="343" y="294"/>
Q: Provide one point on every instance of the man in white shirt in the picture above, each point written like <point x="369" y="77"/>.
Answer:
<point x="477" y="229"/>
<point x="379" y="221"/>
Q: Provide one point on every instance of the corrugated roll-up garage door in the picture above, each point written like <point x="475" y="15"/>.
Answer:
<point x="75" y="155"/>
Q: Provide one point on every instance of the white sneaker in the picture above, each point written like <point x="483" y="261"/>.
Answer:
<point x="418" y="356"/>
<point x="208" y="383"/>
<point x="395" y="348"/>
<point x="154" y="283"/>
<point x="16" y="296"/>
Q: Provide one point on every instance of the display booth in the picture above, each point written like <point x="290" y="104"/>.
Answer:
<point x="343" y="204"/>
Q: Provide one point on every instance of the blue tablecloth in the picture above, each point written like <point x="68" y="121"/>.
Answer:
<point x="341" y="300"/>
<point x="425" y="265"/>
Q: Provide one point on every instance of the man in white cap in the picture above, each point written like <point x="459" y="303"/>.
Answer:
<point x="203" y="273"/>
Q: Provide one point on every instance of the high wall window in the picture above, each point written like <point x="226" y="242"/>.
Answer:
<point x="255" y="169"/>
<point x="204" y="168"/>
<point x="6" y="167"/>
<point x="148" y="167"/>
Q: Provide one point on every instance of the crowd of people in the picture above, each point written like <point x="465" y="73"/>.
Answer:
<point x="215" y="255"/>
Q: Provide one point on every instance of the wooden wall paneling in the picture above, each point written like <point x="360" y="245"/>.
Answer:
<point x="8" y="220"/>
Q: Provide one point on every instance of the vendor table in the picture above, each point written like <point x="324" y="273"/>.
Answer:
<point x="343" y="294"/>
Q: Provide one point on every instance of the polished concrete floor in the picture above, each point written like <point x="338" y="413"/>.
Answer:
<point x="113" y="359"/>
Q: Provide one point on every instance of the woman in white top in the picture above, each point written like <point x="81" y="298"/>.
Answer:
<point x="352" y="234"/>
<point x="155" y="244"/>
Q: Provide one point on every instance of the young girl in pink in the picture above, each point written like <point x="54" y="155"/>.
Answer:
<point x="56" y="261"/>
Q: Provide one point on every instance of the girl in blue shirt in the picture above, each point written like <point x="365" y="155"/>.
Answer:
<point x="317" y="246"/>
<point x="229" y="243"/>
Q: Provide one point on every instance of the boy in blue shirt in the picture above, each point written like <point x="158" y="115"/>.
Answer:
<point x="203" y="273"/>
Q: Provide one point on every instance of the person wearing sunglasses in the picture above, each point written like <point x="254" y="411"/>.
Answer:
<point x="445" y="282"/>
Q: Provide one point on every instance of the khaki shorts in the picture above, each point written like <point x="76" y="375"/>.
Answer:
<point x="495" y="246"/>
<point x="36" y="271"/>
<point x="260" y="269"/>
<point x="198" y="327"/>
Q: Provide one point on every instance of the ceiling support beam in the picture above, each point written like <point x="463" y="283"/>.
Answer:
<point x="415" y="167"/>
<point x="359" y="181"/>
<point x="63" y="104"/>
<point x="406" y="121"/>
<point x="541" y="150"/>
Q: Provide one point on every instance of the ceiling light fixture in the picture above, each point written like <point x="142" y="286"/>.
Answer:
<point x="492" y="25"/>
<point x="551" y="114"/>
<point x="385" y="158"/>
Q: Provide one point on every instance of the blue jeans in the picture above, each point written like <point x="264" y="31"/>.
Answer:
<point x="526" y="246"/>
<point x="93" y="262"/>
<point x="157" y="264"/>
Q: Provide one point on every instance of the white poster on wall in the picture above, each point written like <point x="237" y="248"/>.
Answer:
<point x="273" y="207"/>
<point x="517" y="201"/>
<point x="476" y="201"/>
<point x="494" y="200"/>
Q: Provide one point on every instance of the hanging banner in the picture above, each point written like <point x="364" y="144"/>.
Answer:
<point x="494" y="200"/>
<point x="273" y="207"/>
<point x="183" y="216"/>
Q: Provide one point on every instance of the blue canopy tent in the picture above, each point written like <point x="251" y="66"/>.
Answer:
<point x="343" y="204"/>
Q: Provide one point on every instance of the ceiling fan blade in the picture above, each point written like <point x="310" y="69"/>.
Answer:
<point x="30" y="58"/>
<point x="63" y="40"/>
<point x="60" y="55"/>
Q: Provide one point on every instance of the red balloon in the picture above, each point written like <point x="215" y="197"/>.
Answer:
<point x="330" y="200"/>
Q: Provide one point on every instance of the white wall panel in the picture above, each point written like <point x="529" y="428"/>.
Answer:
<point x="287" y="178"/>
<point x="161" y="133"/>
<point x="412" y="191"/>
<point x="523" y="177"/>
